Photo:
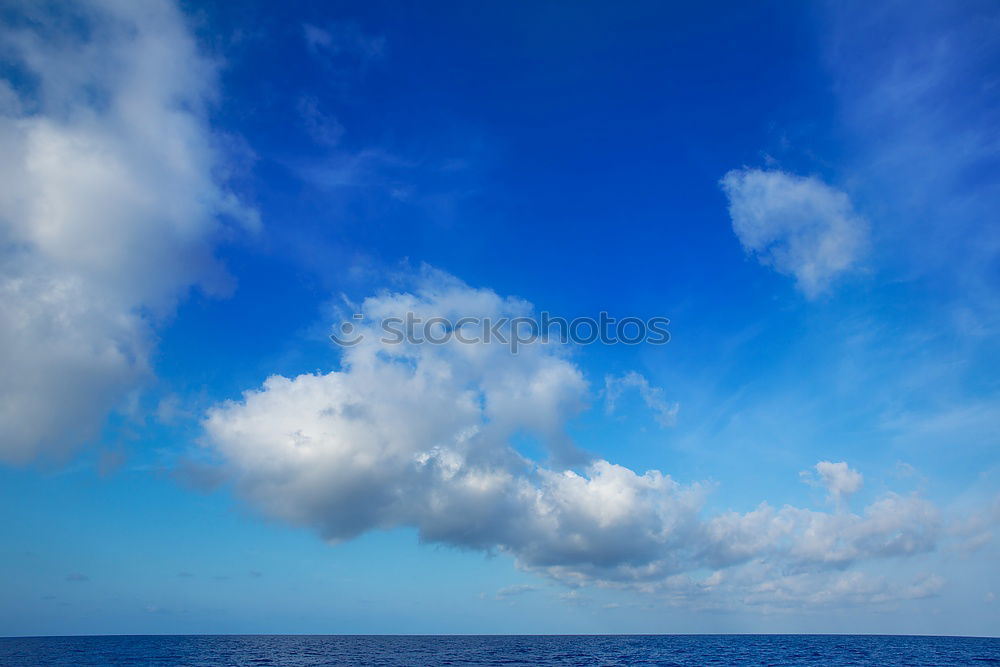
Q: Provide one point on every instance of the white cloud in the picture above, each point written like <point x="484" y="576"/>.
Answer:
<point x="799" y="538"/>
<point x="420" y="436"/>
<point x="664" y="411"/>
<point x="767" y="588"/>
<point x="110" y="204"/>
<point x="798" y="225"/>
<point x="838" y="589"/>
<point x="837" y="478"/>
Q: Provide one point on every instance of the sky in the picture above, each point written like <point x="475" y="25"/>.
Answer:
<point x="195" y="195"/>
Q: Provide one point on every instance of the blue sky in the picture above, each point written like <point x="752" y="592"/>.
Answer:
<point x="193" y="195"/>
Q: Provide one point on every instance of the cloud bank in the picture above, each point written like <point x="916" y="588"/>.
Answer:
<point x="421" y="436"/>
<point x="110" y="205"/>
<point x="798" y="225"/>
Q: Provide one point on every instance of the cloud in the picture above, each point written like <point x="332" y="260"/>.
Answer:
<point x="664" y="411"/>
<point x="798" y="225"/>
<point x="837" y="478"/>
<point x="839" y="589"/>
<point x="323" y="128"/>
<point x="110" y="206"/>
<point x="804" y="539"/>
<point x="917" y="95"/>
<point x="343" y="38"/>
<point x="512" y="591"/>
<point x="420" y="436"/>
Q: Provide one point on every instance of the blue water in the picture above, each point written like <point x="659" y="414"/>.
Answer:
<point x="686" y="650"/>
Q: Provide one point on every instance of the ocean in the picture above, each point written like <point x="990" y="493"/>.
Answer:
<point x="680" y="650"/>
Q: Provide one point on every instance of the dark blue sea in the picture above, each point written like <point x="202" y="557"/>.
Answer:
<point x="693" y="650"/>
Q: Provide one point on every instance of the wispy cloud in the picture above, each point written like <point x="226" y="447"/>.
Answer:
<point x="919" y="100"/>
<point x="664" y="411"/>
<point x="513" y="591"/>
<point x="343" y="38"/>
<point x="322" y="127"/>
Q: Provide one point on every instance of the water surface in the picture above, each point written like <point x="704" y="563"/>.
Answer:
<point x="681" y="650"/>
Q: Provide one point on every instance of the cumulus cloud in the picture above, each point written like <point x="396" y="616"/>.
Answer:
<point x="422" y="436"/>
<point x="110" y="206"/>
<point x="663" y="410"/>
<point x="798" y="225"/>
<point x="803" y="539"/>
<point x="838" y="479"/>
